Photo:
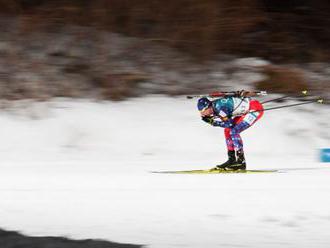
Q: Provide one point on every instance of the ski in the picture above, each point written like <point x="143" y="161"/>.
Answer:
<point x="212" y="171"/>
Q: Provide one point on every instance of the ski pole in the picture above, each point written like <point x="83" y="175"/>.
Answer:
<point x="226" y="93"/>
<point x="290" y="105"/>
<point x="304" y="94"/>
<point x="296" y="104"/>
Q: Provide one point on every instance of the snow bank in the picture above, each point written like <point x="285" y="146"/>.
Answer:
<point x="81" y="169"/>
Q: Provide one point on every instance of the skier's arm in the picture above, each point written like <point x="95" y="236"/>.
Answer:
<point x="223" y="119"/>
<point x="223" y="122"/>
<point x="217" y="122"/>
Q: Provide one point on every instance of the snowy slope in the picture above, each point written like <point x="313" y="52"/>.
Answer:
<point x="81" y="169"/>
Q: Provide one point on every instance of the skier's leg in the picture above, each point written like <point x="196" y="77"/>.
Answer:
<point x="234" y="140"/>
<point x="230" y="150"/>
<point x="228" y="136"/>
<point x="243" y="123"/>
<point x="238" y="146"/>
<point x="229" y="141"/>
<point x="235" y="134"/>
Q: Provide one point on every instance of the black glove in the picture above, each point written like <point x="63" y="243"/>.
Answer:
<point x="208" y="119"/>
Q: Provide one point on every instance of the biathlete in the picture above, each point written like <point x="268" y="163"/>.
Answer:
<point x="235" y="114"/>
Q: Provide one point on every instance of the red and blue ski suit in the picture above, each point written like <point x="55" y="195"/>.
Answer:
<point x="235" y="114"/>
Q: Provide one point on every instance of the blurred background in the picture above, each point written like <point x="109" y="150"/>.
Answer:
<point x="114" y="49"/>
<point x="92" y="100"/>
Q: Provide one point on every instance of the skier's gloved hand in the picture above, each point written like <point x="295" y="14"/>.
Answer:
<point x="208" y="119"/>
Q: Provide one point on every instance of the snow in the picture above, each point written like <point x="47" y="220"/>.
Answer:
<point x="81" y="169"/>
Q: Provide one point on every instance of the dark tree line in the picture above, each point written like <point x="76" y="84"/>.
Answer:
<point x="283" y="31"/>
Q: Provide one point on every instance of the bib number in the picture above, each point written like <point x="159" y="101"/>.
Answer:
<point x="250" y="118"/>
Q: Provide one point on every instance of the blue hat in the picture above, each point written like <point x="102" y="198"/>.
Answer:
<point x="203" y="103"/>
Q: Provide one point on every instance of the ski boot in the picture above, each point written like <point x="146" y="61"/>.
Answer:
<point x="231" y="161"/>
<point x="240" y="163"/>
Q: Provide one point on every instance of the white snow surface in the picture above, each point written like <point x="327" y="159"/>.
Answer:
<point x="81" y="169"/>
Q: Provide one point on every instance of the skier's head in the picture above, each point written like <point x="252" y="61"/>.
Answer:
<point x="204" y="106"/>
